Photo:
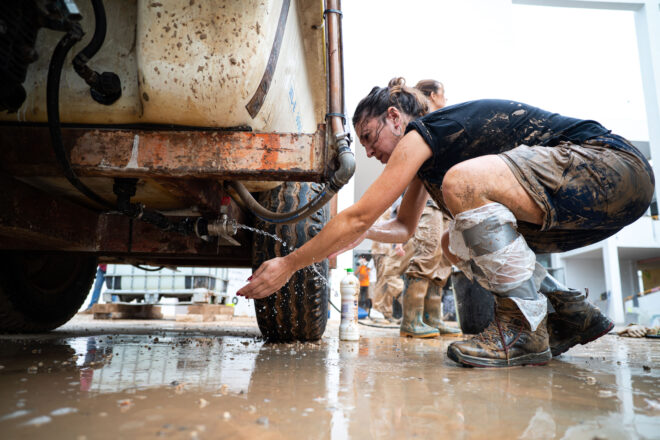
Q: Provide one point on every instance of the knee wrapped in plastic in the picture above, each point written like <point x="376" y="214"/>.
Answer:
<point x="497" y="256"/>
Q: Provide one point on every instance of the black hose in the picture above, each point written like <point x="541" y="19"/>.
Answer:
<point x="73" y="36"/>
<point x="281" y="217"/>
<point x="100" y="27"/>
<point x="148" y="269"/>
<point x="125" y="188"/>
<point x="105" y="87"/>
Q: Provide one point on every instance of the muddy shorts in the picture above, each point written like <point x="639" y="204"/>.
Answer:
<point x="587" y="192"/>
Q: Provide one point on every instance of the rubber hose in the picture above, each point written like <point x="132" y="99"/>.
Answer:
<point x="281" y="217"/>
<point x="53" y="110"/>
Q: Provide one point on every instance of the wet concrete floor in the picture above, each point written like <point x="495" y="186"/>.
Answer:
<point x="161" y="379"/>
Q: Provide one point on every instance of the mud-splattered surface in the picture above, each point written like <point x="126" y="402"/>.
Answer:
<point x="160" y="380"/>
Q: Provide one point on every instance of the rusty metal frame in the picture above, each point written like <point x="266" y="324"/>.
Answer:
<point x="120" y="152"/>
<point x="32" y="219"/>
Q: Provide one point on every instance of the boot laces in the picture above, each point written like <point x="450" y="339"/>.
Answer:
<point x="494" y="330"/>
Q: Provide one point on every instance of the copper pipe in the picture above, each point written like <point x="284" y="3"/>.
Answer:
<point x="335" y="66"/>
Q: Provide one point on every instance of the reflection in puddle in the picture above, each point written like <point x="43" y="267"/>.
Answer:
<point x="198" y="386"/>
<point x="197" y="364"/>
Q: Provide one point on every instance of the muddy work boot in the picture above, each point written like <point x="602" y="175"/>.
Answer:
<point x="433" y="310"/>
<point x="575" y="320"/>
<point x="508" y="341"/>
<point x="412" y="324"/>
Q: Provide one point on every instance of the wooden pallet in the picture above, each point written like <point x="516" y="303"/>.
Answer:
<point x="206" y="313"/>
<point x="126" y="311"/>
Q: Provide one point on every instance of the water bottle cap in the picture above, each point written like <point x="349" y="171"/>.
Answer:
<point x="349" y="270"/>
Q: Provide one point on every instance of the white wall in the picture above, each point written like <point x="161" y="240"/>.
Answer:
<point x="629" y="280"/>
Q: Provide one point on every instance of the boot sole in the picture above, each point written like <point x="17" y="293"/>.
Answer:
<point x="458" y="334"/>
<point x="589" y="335"/>
<point x="473" y="361"/>
<point x="418" y="336"/>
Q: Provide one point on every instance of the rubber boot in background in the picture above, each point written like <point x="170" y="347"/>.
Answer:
<point x="412" y="324"/>
<point x="433" y="310"/>
<point x="575" y="320"/>
<point x="508" y="341"/>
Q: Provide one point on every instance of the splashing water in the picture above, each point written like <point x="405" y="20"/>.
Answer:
<point x="267" y="234"/>
<point x="312" y="268"/>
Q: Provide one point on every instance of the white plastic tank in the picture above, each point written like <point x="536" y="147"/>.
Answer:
<point x="192" y="63"/>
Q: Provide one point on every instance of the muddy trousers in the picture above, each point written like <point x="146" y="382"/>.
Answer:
<point x="389" y="284"/>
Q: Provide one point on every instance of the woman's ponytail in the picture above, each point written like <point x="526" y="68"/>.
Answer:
<point x="397" y="94"/>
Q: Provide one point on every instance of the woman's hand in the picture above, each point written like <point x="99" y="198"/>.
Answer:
<point x="266" y="280"/>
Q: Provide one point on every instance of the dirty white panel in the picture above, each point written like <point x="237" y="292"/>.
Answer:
<point x="195" y="63"/>
<point x="201" y="64"/>
<point x="116" y="55"/>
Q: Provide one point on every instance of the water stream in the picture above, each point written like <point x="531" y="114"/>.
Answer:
<point x="289" y="249"/>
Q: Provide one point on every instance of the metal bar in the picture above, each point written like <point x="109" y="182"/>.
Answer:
<point x="136" y="153"/>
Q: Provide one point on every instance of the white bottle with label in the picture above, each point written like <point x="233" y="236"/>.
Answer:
<point x="350" y="290"/>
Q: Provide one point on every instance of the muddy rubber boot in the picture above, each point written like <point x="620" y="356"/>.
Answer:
<point x="412" y="324"/>
<point x="575" y="320"/>
<point x="433" y="310"/>
<point x="508" y="341"/>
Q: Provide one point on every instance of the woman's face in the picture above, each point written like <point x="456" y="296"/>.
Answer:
<point x="437" y="99"/>
<point x="380" y="134"/>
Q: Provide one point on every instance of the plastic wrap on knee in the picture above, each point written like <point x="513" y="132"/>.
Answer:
<point x="500" y="252"/>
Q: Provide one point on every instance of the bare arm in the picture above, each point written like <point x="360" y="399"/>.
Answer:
<point x="400" y="228"/>
<point x="348" y="225"/>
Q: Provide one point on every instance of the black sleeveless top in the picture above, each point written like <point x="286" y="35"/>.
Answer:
<point x="490" y="126"/>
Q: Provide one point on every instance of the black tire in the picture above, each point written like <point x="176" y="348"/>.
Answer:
<point x="474" y="304"/>
<point x="299" y="310"/>
<point x="39" y="292"/>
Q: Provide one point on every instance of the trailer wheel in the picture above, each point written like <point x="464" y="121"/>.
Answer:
<point x="299" y="310"/>
<point x="40" y="291"/>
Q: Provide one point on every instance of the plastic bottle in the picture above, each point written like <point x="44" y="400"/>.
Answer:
<point x="350" y="289"/>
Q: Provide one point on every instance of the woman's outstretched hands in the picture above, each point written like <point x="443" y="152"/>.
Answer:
<point x="266" y="280"/>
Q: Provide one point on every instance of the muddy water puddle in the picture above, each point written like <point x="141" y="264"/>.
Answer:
<point x="172" y="386"/>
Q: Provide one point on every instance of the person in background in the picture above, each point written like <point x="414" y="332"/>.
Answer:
<point x="363" y="275"/>
<point x="98" y="285"/>
<point x="391" y="261"/>
<point x="434" y="92"/>
<point x="378" y="253"/>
